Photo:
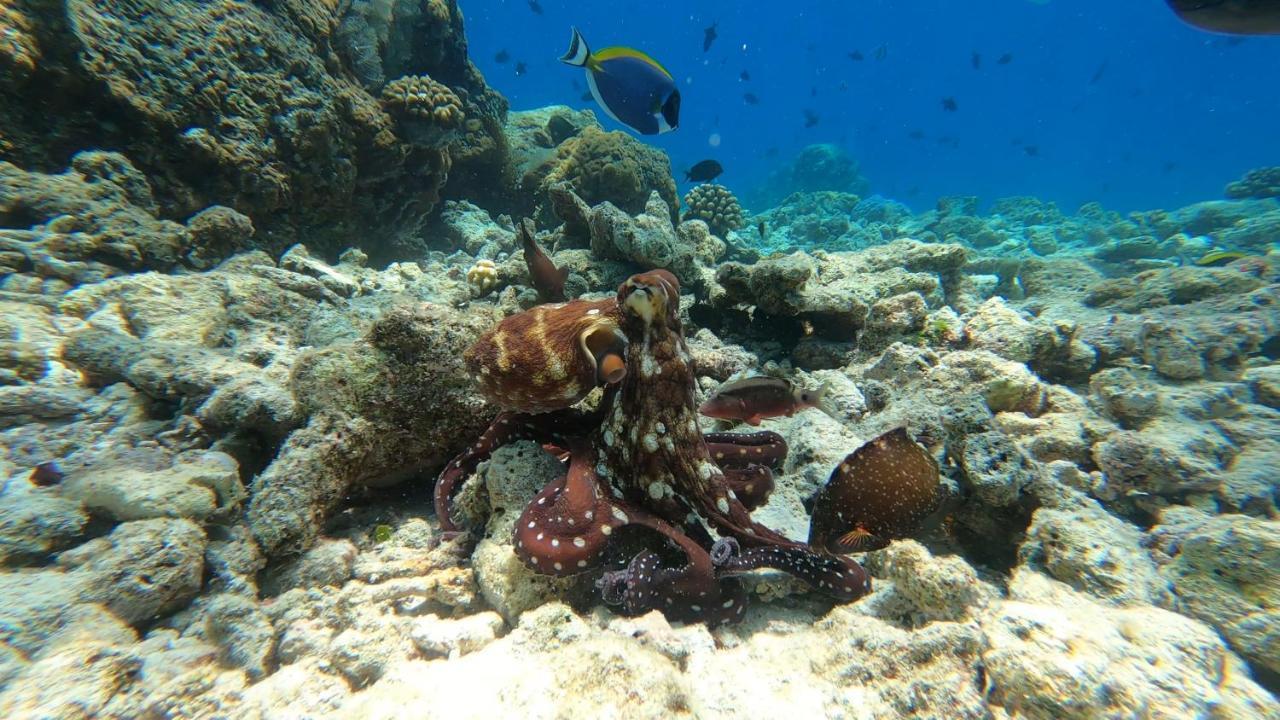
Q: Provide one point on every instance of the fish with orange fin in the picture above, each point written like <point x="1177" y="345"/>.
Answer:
<point x="880" y="492"/>
<point x="755" y="398"/>
<point x="547" y="279"/>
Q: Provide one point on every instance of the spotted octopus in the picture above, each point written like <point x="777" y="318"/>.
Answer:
<point x="637" y="459"/>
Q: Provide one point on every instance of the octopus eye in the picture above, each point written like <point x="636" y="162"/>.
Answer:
<point x="607" y="349"/>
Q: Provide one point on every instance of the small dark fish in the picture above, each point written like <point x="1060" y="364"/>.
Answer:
<point x="502" y="57"/>
<point x="45" y="474"/>
<point x="1168" y="167"/>
<point x="750" y="99"/>
<point x="976" y="61"/>
<point x="588" y="97"/>
<point x="705" y="171"/>
<point x="856" y="56"/>
<point x="547" y="279"/>
<point x="1237" y="17"/>
<point x="708" y="37"/>
<point x="881" y="492"/>
<point x="1097" y="74"/>
<point x="535" y="6"/>
<point x="771" y="152"/>
<point x="949" y="104"/>
<point x="1004" y="59"/>
<point x="881" y="52"/>
<point x="753" y="399"/>
<point x="810" y="118"/>
<point x="843" y="86"/>
<point x="916" y="134"/>
<point x="762" y="229"/>
<point x="950" y="141"/>
<point x="1031" y="150"/>
<point x="744" y="76"/>
<point x="813" y="91"/>
<point x="521" y="69"/>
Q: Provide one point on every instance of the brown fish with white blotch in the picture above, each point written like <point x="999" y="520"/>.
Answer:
<point x="755" y="398"/>
<point x="882" y="491"/>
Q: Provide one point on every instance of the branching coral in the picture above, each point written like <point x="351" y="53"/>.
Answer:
<point x="714" y="205"/>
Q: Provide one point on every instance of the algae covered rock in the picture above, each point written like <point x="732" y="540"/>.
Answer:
<point x="607" y="166"/>
<point x="381" y="409"/>
<point x="93" y="221"/>
<point x="1224" y="571"/>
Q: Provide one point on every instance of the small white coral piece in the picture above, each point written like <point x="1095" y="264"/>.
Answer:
<point x="482" y="277"/>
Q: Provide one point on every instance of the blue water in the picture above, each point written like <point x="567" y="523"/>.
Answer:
<point x="1174" y="115"/>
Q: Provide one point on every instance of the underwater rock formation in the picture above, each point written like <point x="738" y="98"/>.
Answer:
<point x="252" y="107"/>
<point x="1257" y="183"/>
<point x="557" y="145"/>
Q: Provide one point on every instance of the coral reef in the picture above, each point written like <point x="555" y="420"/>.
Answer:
<point x="1257" y="183"/>
<point x="556" y="145"/>
<point x="1040" y="481"/>
<point x="239" y="105"/>
<point x="716" y="206"/>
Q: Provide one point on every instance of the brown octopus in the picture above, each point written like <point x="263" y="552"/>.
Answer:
<point x="638" y="459"/>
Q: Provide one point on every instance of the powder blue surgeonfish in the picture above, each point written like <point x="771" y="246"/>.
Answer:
<point x="632" y="87"/>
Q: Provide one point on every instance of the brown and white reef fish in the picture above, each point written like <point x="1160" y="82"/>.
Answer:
<point x="753" y="399"/>
<point x="547" y="279"/>
<point x="882" y="491"/>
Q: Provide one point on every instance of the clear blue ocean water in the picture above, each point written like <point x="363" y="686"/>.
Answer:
<point x="1118" y="100"/>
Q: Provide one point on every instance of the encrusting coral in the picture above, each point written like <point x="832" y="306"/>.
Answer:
<point x="640" y="459"/>
<point x="716" y="206"/>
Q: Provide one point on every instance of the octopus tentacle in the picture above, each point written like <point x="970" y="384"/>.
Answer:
<point x="553" y="427"/>
<point x="752" y="484"/>
<point x="840" y="577"/>
<point x="741" y="449"/>
<point x="565" y="529"/>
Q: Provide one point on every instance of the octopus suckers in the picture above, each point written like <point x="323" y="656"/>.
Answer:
<point x="650" y="443"/>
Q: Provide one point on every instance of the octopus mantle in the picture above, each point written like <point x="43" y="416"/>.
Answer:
<point x="639" y="459"/>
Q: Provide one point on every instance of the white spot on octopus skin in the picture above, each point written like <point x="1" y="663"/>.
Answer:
<point x="579" y="542"/>
<point x="722" y="505"/>
<point x="620" y="516"/>
<point x="555" y="542"/>
<point x="605" y="529"/>
<point x="558" y="566"/>
<point x="532" y="524"/>
<point x="582" y="563"/>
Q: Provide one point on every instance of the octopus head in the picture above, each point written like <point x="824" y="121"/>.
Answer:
<point x="653" y="298"/>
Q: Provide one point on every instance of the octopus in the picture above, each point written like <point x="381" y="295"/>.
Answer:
<point x="638" y="459"/>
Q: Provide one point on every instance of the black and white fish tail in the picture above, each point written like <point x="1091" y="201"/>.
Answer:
<point x="578" y="50"/>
